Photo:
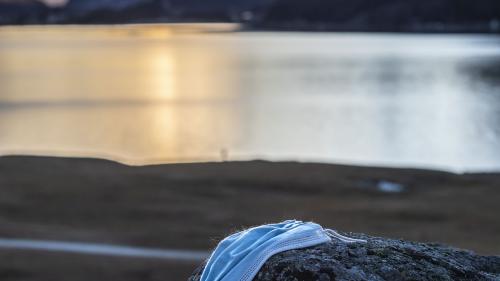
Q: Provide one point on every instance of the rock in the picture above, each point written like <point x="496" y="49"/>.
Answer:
<point x="378" y="259"/>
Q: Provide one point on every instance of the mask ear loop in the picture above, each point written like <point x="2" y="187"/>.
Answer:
<point x="335" y="235"/>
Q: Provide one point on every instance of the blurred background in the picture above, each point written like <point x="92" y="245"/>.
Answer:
<point x="167" y="124"/>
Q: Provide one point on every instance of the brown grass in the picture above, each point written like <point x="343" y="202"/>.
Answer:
<point x="191" y="206"/>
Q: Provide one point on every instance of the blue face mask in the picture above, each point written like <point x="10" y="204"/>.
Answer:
<point x="240" y="256"/>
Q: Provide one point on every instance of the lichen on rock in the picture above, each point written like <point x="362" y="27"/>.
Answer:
<point x="378" y="259"/>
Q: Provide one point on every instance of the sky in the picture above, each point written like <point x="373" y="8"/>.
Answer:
<point x="55" y="2"/>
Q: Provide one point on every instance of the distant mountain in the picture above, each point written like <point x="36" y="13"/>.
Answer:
<point x="231" y="10"/>
<point x="80" y="7"/>
<point x="384" y="15"/>
<point x="336" y="15"/>
<point x="114" y="11"/>
<point x="166" y="10"/>
<point x="22" y="12"/>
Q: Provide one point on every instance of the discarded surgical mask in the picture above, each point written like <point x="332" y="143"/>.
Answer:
<point x="240" y="256"/>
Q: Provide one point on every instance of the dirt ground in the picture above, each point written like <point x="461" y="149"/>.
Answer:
<point x="192" y="206"/>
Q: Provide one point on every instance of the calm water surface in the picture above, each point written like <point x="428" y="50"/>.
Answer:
<point x="149" y="94"/>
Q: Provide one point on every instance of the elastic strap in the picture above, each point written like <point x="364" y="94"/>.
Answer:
<point x="334" y="234"/>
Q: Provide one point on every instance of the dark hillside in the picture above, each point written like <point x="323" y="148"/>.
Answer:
<point x="22" y="12"/>
<point x="335" y="15"/>
<point x="384" y="15"/>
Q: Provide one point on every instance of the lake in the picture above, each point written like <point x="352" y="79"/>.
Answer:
<point x="144" y="94"/>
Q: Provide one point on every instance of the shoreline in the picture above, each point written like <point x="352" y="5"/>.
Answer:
<point x="193" y="205"/>
<point x="228" y="27"/>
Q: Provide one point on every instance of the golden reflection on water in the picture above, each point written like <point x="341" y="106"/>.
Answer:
<point x="163" y="93"/>
<point x="123" y="94"/>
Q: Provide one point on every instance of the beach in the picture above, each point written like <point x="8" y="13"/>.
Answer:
<point x="192" y="206"/>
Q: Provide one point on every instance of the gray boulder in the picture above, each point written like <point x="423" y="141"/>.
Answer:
<point x="378" y="259"/>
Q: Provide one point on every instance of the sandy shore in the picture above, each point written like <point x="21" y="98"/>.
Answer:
<point x="191" y="206"/>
